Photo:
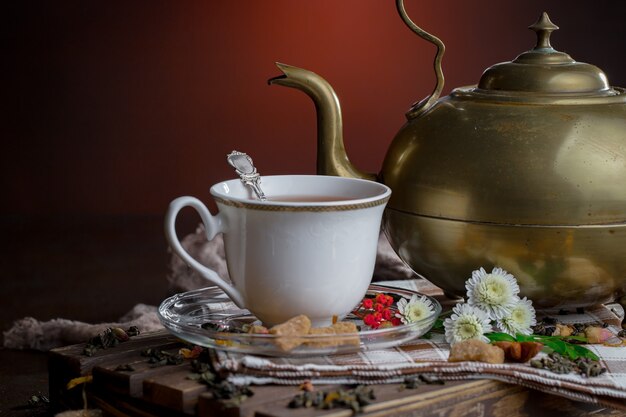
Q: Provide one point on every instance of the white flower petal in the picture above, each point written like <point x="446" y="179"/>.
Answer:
<point x="520" y="320"/>
<point x="402" y="305"/>
<point x="495" y="292"/>
<point x="418" y="308"/>
<point x="467" y="322"/>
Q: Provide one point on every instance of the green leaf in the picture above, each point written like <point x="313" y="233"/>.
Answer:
<point x="568" y="338"/>
<point x="438" y="324"/>
<point x="500" y="337"/>
<point x="525" y="338"/>
<point x="570" y="352"/>
<point x="584" y="352"/>
<point x="560" y="345"/>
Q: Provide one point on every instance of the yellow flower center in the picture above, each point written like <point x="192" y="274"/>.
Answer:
<point x="518" y="316"/>
<point x="493" y="290"/>
<point x="417" y="312"/>
<point x="468" y="328"/>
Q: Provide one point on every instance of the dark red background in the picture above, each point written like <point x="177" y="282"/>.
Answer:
<point x="118" y="107"/>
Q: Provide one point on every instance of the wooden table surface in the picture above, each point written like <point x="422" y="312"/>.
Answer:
<point x="148" y="390"/>
<point x="95" y="269"/>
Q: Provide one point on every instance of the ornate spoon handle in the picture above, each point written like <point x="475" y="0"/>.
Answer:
<point x="247" y="172"/>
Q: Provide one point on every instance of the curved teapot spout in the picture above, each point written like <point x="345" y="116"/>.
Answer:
<point x="331" y="152"/>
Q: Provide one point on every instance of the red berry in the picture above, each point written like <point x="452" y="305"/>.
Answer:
<point x="369" y="319"/>
<point x="379" y="307"/>
<point x="387" y="314"/>
<point x="367" y="303"/>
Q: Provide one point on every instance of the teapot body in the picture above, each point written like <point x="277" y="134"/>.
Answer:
<point x="537" y="187"/>
<point x="526" y="171"/>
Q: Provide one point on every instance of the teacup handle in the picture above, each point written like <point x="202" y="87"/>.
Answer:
<point x="212" y="225"/>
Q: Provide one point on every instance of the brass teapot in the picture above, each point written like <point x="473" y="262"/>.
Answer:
<point x="525" y="170"/>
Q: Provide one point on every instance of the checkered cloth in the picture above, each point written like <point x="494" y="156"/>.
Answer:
<point x="430" y="356"/>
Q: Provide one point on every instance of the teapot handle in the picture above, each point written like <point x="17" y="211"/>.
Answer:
<point x="421" y="106"/>
<point x="212" y="225"/>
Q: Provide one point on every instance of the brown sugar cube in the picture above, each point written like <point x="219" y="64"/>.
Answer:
<point x="338" y="329"/>
<point x="296" y="326"/>
<point x="477" y="351"/>
<point x="321" y="330"/>
<point x="325" y="341"/>
<point x="346" y="327"/>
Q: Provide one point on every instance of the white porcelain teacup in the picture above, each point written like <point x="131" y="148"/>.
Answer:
<point x="309" y="249"/>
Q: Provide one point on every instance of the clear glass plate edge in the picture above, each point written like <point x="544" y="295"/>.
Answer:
<point x="253" y="344"/>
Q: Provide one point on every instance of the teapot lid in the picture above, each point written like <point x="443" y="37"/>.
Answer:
<point x="544" y="71"/>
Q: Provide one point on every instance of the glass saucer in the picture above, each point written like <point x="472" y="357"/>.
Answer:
<point x="208" y="318"/>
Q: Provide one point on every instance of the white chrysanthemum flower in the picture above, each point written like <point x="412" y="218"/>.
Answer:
<point x="520" y="320"/>
<point x="418" y="308"/>
<point x="495" y="293"/>
<point x="467" y="322"/>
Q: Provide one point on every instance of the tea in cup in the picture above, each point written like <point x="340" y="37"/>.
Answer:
<point x="310" y="248"/>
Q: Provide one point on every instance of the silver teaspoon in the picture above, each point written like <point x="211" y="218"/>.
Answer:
<point x="247" y="172"/>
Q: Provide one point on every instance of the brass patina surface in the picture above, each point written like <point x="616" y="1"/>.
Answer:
<point x="555" y="266"/>
<point x="473" y="160"/>
<point x="525" y="170"/>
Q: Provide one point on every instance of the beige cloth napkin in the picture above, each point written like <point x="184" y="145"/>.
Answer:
<point x="423" y="356"/>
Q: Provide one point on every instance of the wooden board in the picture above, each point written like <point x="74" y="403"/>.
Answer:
<point x="166" y="390"/>
<point x="68" y="362"/>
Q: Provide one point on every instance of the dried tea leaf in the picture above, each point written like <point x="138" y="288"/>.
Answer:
<point x="38" y="400"/>
<point x="412" y="382"/>
<point x="229" y="394"/>
<point x="125" y="367"/>
<point x="160" y="357"/>
<point x="354" y="399"/>
<point x="120" y="334"/>
<point x="110" y="337"/>
<point x="79" y="381"/>
<point x="193" y="353"/>
<point x="560" y="364"/>
<point x="306" y="386"/>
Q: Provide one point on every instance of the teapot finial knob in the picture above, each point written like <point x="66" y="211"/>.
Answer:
<point x="543" y="27"/>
